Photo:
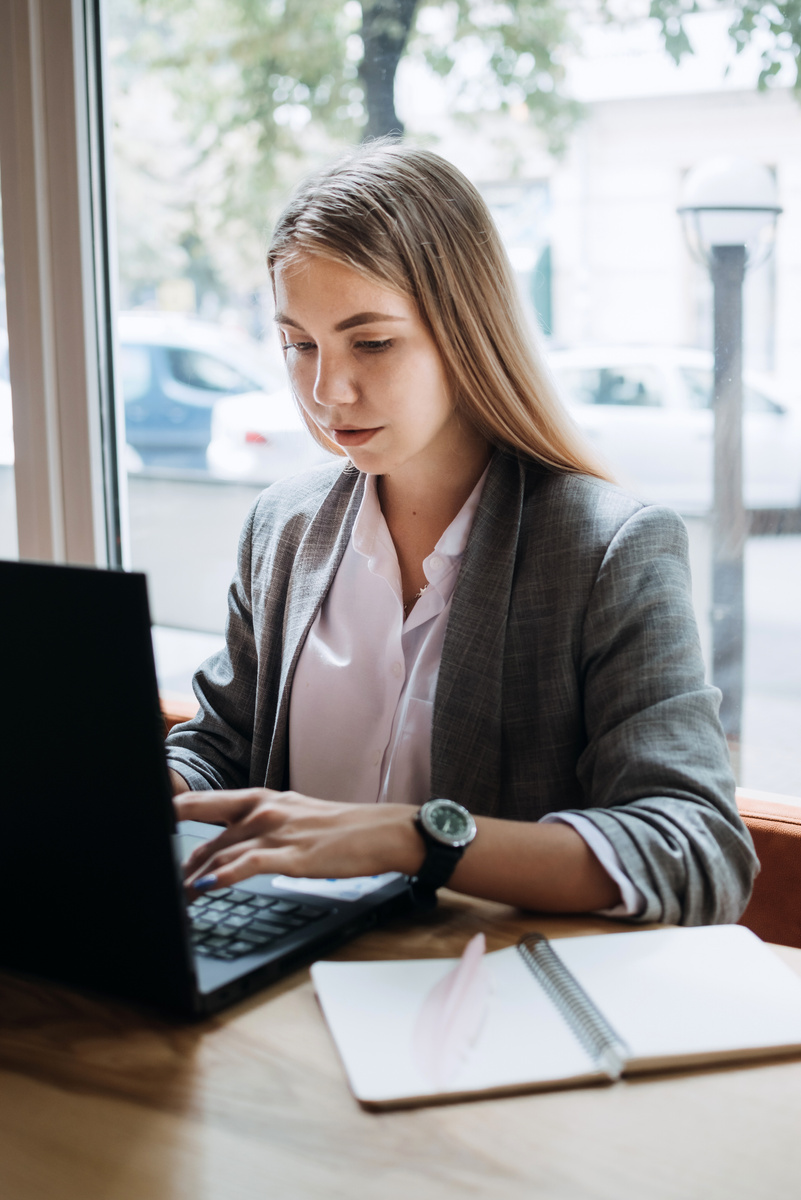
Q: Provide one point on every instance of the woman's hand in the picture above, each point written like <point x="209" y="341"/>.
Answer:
<point x="289" y="834"/>
<point x="546" y="867"/>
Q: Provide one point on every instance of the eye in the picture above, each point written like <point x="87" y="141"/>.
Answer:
<point x="301" y="347"/>
<point x="374" y="347"/>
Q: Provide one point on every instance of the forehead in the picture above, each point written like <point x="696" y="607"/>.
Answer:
<point x="312" y="285"/>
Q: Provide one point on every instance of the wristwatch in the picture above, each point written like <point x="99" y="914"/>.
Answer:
<point x="447" y="829"/>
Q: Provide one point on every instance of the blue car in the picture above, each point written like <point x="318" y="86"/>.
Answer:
<point x="172" y="370"/>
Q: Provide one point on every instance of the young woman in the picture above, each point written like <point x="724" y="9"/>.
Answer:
<point x="460" y="607"/>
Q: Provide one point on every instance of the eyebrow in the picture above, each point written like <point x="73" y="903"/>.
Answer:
<point x="364" y="318"/>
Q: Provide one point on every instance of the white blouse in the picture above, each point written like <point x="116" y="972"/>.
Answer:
<point x="363" y="693"/>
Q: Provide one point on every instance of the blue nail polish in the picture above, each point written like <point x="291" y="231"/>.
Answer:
<point x="206" y="882"/>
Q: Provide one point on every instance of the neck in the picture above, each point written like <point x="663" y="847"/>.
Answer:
<point x="434" y="496"/>
<point x="419" y="505"/>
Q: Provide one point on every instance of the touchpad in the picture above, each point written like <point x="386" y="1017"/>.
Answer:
<point x="186" y="843"/>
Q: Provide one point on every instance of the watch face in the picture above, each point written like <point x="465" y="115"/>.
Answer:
<point x="448" y="822"/>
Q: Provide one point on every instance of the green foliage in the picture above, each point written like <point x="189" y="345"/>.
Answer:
<point x="264" y="89"/>
<point x="523" y="44"/>
<point x="670" y="14"/>
<point x="775" y="27"/>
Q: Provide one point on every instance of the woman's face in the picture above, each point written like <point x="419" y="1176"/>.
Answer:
<point x="365" y="368"/>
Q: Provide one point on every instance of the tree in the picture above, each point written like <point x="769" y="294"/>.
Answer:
<point x="266" y="88"/>
<point x="385" y="29"/>
<point x="277" y="65"/>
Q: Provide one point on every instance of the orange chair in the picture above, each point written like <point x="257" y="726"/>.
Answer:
<point x="774" y="911"/>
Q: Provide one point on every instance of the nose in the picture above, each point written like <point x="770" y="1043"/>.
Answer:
<point x="334" y="383"/>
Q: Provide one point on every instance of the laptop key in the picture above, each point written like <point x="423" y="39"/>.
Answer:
<point x="240" y="947"/>
<point x="288" y="921"/>
<point x="254" y="938"/>
<point x="262" y="901"/>
<point x="310" y="912"/>
<point x="270" y="927"/>
<point x="283" y="906"/>
<point x="234" y="921"/>
<point x="201" y="925"/>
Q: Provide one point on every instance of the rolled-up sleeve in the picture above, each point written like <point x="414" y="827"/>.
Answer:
<point x="656" y="766"/>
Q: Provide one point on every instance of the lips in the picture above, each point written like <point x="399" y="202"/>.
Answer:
<point x="352" y="437"/>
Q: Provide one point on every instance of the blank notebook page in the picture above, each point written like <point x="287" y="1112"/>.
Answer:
<point x="371" y="1009"/>
<point x="681" y="992"/>
<point x="670" y="994"/>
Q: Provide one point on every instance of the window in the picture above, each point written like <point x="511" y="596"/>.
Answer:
<point x="216" y="110"/>
<point x="135" y="372"/>
<point x="209" y="374"/>
<point x="700" y="386"/>
<point x="633" y="387"/>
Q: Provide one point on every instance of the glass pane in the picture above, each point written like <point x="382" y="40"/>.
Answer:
<point x="580" y="140"/>
<point x="8" y="502"/>
<point x="637" y="387"/>
<point x="699" y="386"/>
<point x="201" y="371"/>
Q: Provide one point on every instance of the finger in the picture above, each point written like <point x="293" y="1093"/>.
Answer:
<point x="240" y="866"/>
<point x="218" y="807"/>
<point x="260" y="823"/>
<point x="204" y="853"/>
<point x="208" y="858"/>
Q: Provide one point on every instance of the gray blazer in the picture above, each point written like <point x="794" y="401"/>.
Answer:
<point x="571" y="676"/>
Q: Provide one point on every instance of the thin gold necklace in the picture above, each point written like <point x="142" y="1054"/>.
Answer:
<point x="414" y="600"/>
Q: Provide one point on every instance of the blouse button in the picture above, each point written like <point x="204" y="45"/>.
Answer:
<point x="436" y="563"/>
<point x="397" y="670"/>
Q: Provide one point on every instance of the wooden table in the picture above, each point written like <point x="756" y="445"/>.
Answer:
<point x="101" y="1103"/>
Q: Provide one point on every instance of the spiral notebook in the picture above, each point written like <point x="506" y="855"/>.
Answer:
<point x="546" y="1014"/>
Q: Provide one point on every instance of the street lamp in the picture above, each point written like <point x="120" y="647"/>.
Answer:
<point x="729" y="210"/>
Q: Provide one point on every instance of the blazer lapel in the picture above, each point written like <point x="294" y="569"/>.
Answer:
<point x="316" y="562"/>
<point x="466" y="750"/>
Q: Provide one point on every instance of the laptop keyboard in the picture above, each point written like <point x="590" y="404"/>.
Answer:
<point x="229" y="923"/>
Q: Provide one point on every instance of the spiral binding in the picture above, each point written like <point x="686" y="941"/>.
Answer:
<point x="593" y="1031"/>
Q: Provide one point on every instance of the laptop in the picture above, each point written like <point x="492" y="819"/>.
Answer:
<point x="90" y="857"/>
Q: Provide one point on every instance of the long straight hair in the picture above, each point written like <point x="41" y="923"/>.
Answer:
<point x="410" y="221"/>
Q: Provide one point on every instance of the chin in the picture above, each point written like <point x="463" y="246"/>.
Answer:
<point x="364" y="460"/>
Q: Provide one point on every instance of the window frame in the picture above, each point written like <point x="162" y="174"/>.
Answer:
<point x="57" y="230"/>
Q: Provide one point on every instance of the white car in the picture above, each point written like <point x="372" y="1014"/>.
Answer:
<point x="258" y="438"/>
<point x="648" y="414"/>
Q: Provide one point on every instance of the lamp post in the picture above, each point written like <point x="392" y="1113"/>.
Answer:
<point x="729" y="210"/>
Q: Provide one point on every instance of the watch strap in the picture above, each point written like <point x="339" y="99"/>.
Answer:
<point x="439" y="863"/>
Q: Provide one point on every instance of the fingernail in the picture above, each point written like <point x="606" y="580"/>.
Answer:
<point x="203" y="884"/>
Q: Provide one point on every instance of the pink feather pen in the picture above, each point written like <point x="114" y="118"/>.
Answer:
<point x="451" y="1016"/>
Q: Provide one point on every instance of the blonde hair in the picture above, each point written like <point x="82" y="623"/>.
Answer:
<point x="410" y="221"/>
